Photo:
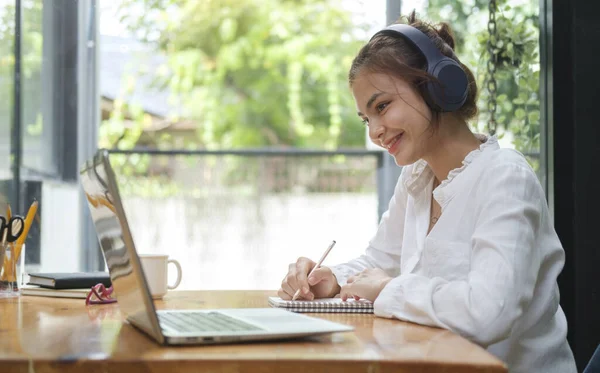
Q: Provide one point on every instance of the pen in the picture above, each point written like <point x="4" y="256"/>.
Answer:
<point x="297" y="293"/>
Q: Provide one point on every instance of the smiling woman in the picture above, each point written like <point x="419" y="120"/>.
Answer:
<point x="467" y="243"/>
<point x="426" y="59"/>
<point x="394" y="80"/>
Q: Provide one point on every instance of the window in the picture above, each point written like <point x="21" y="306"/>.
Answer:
<point x="7" y="57"/>
<point x="36" y="126"/>
<point x="43" y="45"/>
<point x="258" y="90"/>
<point x="46" y="107"/>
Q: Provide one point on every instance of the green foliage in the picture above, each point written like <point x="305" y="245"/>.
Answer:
<point x="273" y="72"/>
<point x="122" y="130"/>
<point x="257" y="73"/>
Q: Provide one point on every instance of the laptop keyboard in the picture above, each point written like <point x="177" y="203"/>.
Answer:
<point x="186" y="322"/>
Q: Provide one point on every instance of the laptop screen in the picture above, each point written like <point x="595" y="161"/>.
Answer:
<point x="129" y="284"/>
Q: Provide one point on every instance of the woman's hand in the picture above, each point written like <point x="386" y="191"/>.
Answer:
<point x="321" y="284"/>
<point x="367" y="285"/>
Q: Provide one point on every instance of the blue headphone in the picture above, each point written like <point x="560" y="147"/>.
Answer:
<point x="451" y="92"/>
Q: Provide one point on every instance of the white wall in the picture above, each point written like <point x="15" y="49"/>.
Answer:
<point x="60" y="230"/>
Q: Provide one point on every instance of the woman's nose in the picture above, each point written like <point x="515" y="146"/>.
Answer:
<point x="376" y="132"/>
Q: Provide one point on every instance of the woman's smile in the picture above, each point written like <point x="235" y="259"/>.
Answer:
<point x="393" y="145"/>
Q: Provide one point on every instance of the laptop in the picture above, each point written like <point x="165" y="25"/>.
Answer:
<point x="175" y="327"/>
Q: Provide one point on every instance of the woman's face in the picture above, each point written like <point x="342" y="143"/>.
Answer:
<point x="397" y="116"/>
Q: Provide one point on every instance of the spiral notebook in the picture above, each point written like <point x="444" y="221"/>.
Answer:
<point x="325" y="305"/>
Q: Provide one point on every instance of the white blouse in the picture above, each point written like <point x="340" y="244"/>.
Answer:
<point x="488" y="268"/>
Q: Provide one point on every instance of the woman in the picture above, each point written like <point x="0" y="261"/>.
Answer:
<point x="467" y="243"/>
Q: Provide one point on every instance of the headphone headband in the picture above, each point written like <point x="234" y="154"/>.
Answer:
<point x="417" y="39"/>
<point x="452" y="90"/>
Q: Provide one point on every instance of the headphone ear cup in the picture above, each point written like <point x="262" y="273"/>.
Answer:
<point x="425" y="88"/>
<point x="450" y="91"/>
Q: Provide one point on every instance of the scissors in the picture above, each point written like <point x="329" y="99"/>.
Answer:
<point x="12" y="229"/>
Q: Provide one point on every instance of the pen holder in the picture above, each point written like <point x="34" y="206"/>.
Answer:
<point x="11" y="274"/>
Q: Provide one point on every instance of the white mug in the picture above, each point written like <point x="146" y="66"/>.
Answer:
<point x="156" y="268"/>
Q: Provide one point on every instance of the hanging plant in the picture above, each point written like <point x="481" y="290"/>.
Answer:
<point x="514" y="41"/>
<point x="512" y="51"/>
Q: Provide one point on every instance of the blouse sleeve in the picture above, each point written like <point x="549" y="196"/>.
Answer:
<point x="384" y="248"/>
<point x="504" y="265"/>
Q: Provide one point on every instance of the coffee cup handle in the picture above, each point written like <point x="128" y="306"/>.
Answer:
<point x="171" y="287"/>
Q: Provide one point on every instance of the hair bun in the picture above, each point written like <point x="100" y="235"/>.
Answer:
<point x="441" y="30"/>
<point x="412" y="18"/>
<point x="445" y="33"/>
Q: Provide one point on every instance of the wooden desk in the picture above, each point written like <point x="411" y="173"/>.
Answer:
<point x="63" y="335"/>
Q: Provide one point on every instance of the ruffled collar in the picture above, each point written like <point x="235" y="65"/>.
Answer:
<point x="421" y="176"/>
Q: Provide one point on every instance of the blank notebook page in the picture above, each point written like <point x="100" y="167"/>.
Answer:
<point x="332" y="305"/>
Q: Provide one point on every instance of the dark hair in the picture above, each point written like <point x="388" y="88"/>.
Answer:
<point x="393" y="55"/>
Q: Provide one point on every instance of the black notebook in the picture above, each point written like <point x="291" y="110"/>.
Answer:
<point x="71" y="280"/>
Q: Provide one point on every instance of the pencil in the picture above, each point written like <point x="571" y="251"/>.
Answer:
<point x="297" y="293"/>
<point x="28" y="221"/>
